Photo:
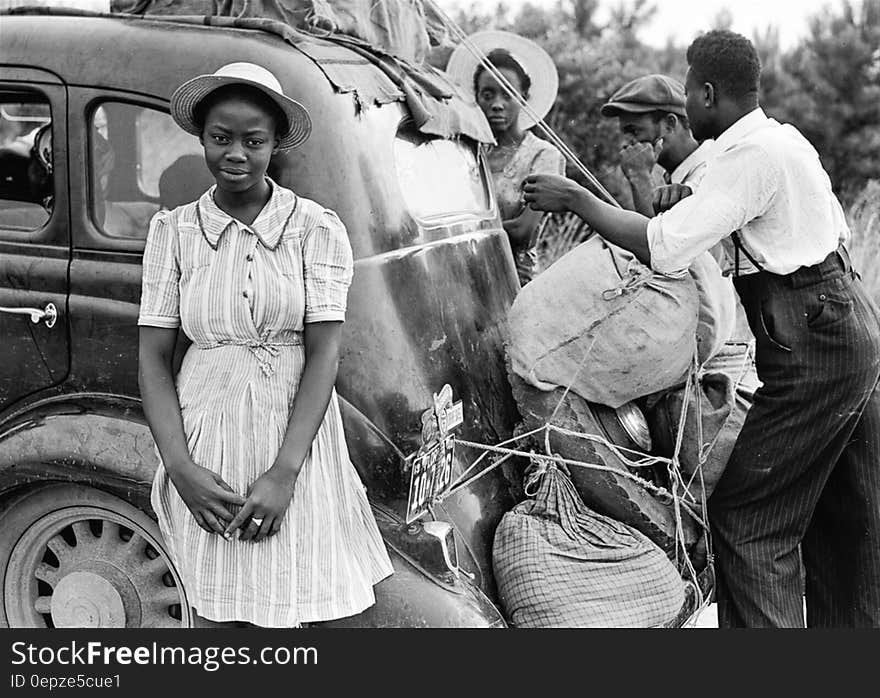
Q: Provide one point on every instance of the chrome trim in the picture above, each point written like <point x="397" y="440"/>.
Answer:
<point x="443" y="531"/>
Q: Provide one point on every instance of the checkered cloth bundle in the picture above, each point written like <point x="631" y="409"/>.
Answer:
<point x="559" y="564"/>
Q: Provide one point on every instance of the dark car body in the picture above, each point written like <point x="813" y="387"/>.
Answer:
<point x="426" y="308"/>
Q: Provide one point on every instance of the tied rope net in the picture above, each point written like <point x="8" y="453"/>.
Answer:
<point x="679" y="494"/>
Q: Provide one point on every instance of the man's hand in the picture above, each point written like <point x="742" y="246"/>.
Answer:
<point x="546" y="192"/>
<point x="667" y="196"/>
<point x="638" y="159"/>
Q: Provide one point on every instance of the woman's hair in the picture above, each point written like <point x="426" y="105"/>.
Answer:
<point x="253" y="94"/>
<point x="728" y="61"/>
<point x="501" y="59"/>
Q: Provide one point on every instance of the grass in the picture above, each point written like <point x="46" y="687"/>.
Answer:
<point x="864" y="246"/>
<point x="559" y="233"/>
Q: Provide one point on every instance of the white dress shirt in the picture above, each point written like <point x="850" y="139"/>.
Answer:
<point x="718" y="303"/>
<point x="764" y="180"/>
<point x="692" y="169"/>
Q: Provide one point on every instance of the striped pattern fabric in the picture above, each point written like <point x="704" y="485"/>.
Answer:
<point x="242" y="295"/>
<point x="804" y="476"/>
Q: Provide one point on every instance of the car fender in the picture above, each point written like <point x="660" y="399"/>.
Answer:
<point x="411" y="599"/>
<point x="96" y="440"/>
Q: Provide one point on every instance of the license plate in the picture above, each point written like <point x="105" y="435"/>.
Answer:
<point x="431" y="475"/>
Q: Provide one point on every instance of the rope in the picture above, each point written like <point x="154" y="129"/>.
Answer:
<point x="680" y="495"/>
<point x="459" y="34"/>
<point x="661" y="492"/>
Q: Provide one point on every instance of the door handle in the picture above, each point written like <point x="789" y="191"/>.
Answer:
<point x="49" y="314"/>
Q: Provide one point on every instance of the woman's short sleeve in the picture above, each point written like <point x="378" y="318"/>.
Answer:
<point x="548" y="161"/>
<point x="328" y="268"/>
<point x="160" y="283"/>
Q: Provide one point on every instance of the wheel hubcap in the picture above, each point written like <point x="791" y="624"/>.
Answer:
<point x="86" y="600"/>
<point x="85" y="566"/>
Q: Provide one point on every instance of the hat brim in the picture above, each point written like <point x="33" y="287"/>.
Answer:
<point x="189" y="94"/>
<point x="612" y="109"/>
<point x="535" y="61"/>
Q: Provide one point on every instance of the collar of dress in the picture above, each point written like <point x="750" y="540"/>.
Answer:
<point x="268" y="226"/>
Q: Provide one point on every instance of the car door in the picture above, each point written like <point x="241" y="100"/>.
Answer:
<point x="131" y="161"/>
<point x="34" y="233"/>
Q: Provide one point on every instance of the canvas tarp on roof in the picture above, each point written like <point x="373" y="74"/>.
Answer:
<point x="437" y="105"/>
<point x="404" y="28"/>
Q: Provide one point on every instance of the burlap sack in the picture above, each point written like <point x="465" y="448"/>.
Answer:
<point x="717" y="315"/>
<point x="606" y="325"/>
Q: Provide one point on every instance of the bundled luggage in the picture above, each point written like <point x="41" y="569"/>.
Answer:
<point x="715" y="416"/>
<point x="403" y="28"/>
<point x="604" y="491"/>
<point x="559" y="564"/>
<point x="717" y="313"/>
<point x="600" y="322"/>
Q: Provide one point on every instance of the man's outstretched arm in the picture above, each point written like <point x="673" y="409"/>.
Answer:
<point x="626" y="229"/>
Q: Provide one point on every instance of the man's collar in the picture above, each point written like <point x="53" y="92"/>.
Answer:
<point x="698" y="156"/>
<point x="747" y="124"/>
<point x="268" y="226"/>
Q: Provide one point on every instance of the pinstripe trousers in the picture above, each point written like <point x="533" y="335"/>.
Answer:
<point x="803" y="481"/>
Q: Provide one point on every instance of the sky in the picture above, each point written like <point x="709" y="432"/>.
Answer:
<point x="684" y="19"/>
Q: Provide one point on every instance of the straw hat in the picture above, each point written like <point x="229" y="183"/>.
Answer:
<point x="535" y="61"/>
<point x="189" y="94"/>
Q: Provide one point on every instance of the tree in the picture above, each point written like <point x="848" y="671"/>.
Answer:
<point x="534" y="22"/>
<point x="582" y="12"/>
<point x="833" y="95"/>
<point x="628" y="17"/>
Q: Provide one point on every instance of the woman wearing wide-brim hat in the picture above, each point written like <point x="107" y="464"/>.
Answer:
<point x="517" y="152"/>
<point x="263" y="512"/>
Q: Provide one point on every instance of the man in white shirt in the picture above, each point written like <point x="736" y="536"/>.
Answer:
<point x="805" y="471"/>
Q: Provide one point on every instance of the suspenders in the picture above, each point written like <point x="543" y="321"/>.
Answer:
<point x="739" y="247"/>
<point x="841" y="251"/>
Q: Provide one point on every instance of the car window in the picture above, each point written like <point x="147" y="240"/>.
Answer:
<point x="438" y="177"/>
<point x="26" y="186"/>
<point x="140" y="161"/>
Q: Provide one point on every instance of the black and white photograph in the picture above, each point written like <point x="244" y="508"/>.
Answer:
<point x="435" y="314"/>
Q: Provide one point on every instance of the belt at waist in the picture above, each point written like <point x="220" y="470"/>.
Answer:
<point x="264" y="349"/>
<point x="835" y="264"/>
<point x="293" y="341"/>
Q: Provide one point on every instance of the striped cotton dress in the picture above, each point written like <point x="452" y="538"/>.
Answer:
<point x="242" y="295"/>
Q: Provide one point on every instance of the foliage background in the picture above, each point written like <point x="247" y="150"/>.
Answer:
<point x="828" y="86"/>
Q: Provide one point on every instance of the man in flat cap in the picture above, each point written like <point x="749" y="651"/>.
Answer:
<point x="652" y="118"/>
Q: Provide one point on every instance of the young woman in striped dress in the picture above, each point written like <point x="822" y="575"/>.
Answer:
<point x="263" y="512"/>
